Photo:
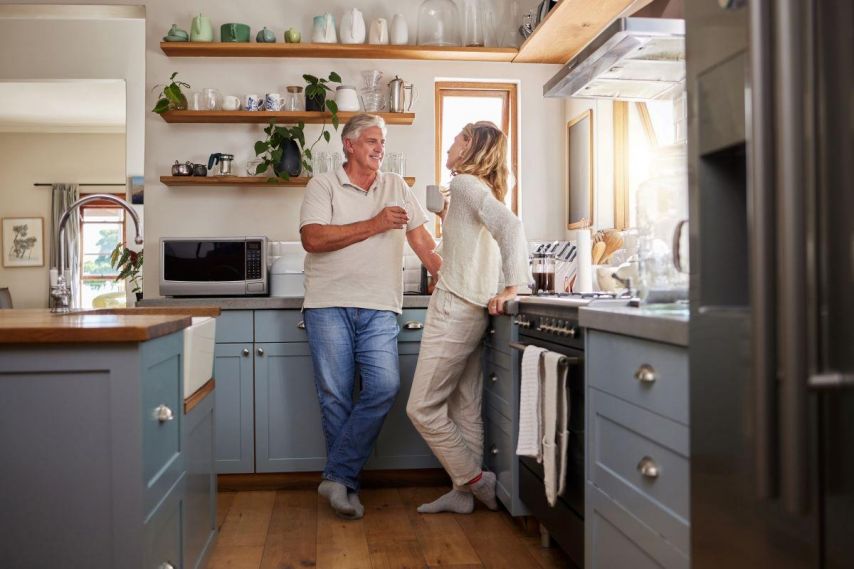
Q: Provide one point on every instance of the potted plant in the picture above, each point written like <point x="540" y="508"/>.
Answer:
<point x="171" y="98"/>
<point x="129" y="265"/>
<point x="315" y="93"/>
<point x="283" y="152"/>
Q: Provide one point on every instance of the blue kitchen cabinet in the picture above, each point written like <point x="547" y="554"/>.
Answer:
<point x="288" y="430"/>
<point x="234" y="403"/>
<point x="199" y="512"/>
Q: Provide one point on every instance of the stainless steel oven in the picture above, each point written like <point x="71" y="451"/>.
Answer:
<point x="213" y="266"/>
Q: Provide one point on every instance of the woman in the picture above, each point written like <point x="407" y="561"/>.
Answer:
<point x="483" y="243"/>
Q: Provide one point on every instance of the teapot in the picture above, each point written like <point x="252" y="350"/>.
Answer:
<point x="352" y="27"/>
<point x="397" y="88"/>
<point x="201" y="29"/>
<point x="324" y="29"/>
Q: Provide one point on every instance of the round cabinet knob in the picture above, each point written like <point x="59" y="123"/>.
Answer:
<point x="645" y="374"/>
<point x="245" y="352"/>
<point x="260" y="351"/>
<point x="301" y="324"/>
<point x="648" y="468"/>
<point x="165" y="565"/>
<point x="163" y="413"/>
<point x="413" y="325"/>
<point x="493" y="378"/>
<point x="494" y="450"/>
<point x="491" y="332"/>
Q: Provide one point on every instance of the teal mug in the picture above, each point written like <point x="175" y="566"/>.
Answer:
<point x="234" y="33"/>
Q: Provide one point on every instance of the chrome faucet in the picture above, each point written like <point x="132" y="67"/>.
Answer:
<point x="61" y="291"/>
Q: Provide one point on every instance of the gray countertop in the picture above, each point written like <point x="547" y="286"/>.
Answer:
<point x="664" y="323"/>
<point x="259" y="302"/>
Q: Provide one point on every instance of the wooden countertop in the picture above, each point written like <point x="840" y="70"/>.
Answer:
<point x="40" y="326"/>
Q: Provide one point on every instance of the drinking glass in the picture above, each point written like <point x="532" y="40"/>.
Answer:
<point x="211" y="99"/>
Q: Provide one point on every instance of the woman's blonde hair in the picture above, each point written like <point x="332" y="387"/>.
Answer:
<point x="486" y="157"/>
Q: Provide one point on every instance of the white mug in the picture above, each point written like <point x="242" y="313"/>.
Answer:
<point x="435" y="199"/>
<point x="379" y="32"/>
<point x="253" y="102"/>
<point x="273" y="102"/>
<point x="230" y="103"/>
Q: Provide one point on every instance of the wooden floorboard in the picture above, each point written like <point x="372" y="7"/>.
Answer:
<point x="296" y="529"/>
<point x="292" y="536"/>
<point x="442" y="541"/>
<point x="341" y="544"/>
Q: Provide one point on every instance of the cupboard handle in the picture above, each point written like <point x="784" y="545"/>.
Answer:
<point x="260" y="351"/>
<point x="413" y="325"/>
<point x="493" y="378"/>
<point x="648" y="468"/>
<point x="645" y="374"/>
<point x="494" y="450"/>
<point x="301" y="324"/>
<point x="245" y="352"/>
<point x="163" y="413"/>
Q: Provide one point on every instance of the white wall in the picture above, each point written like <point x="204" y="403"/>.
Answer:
<point x="31" y="158"/>
<point x="274" y="211"/>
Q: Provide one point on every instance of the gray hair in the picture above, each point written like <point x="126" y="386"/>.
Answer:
<point x="354" y="127"/>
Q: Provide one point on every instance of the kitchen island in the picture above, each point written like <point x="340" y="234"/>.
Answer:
<point x="102" y="466"/>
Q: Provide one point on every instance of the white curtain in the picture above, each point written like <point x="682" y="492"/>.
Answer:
<point x="63" y="195"/>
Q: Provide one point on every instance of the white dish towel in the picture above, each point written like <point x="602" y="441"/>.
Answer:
<point x="530" y="435"/>
<point x="555" y="415"/>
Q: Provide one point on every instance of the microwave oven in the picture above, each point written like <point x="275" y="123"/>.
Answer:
<point x="213" y="266"/>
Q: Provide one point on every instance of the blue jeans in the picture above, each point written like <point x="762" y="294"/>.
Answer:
<point x="341" y="339"/>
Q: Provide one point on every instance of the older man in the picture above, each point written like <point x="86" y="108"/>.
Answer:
<point x="352" y="224"/>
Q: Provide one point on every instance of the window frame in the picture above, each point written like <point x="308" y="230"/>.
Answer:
<point x="99" y="204"/>
<point x="510" y="120"/>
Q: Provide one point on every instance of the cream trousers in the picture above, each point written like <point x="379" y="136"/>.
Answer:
<point x="447" y="391"/>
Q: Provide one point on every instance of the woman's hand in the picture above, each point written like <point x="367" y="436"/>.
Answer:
<point x="496" y="303"/>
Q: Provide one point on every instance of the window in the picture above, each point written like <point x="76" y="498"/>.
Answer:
<point x="639" y="130"/>
<point x="102" y="227"/>
<point x="458" y="104"/>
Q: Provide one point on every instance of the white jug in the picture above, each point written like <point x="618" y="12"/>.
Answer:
<point x="399" y="30"/>
<point x="379" y="32"/>
<point x="352" y="27"/>
<point x="323" y="30"/>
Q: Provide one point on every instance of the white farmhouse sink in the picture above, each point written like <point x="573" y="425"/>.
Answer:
<point x="198" y="353"/>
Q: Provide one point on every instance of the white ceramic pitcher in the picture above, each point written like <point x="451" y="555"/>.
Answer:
<point x="352" y="27"/>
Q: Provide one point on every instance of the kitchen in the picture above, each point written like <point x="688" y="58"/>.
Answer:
<point x="668" y="471"/>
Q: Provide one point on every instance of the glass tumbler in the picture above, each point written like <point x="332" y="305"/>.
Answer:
<point x="211" y="99"/>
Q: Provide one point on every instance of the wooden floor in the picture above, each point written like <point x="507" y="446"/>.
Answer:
<point x="293" y="529"/>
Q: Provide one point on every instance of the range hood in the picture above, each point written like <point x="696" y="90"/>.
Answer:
<point x="634" y="59"/>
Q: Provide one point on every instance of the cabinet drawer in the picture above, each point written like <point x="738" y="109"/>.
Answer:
<point x="498" y="380"/>
<point x="163" y="533"/>
<point x="499" y="333"/>
<point x="279" y="326"/>
<point x="234" y="326"/>
<point x="615" y="538"/>
<point x="411" y="323"/>
<point x="623" y="438"/>
<point x="162" y="416"/>
<point x="500" y="453"/>
<point x="613" y="363"/>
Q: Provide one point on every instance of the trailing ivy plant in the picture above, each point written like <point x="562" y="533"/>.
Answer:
<point x="171" y="98"/>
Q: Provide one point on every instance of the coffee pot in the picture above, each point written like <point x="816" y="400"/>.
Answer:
<point x="397" y="88"/>
<point x="223" y="161"/>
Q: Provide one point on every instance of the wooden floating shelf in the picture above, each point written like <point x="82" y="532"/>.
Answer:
<point x="281" y="117"/>
<point x="570" y="26"/>
<point x="335" y="50"/>
<point x="302" y="181"/>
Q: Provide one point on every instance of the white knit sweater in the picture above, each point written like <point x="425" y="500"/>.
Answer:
<point x="483" y="245"/>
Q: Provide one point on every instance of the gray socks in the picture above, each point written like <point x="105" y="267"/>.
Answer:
<point x="357" y="506"/>
<point x="454" y="501"/>
<point x="484" y="490"/>
<point x="336" y="493"/>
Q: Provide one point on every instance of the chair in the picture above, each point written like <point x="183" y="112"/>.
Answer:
<point x="5" y="298"/>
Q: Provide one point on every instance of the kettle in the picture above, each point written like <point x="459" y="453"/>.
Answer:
<point x="223" y="160"/>
<point x="397" y="88"/>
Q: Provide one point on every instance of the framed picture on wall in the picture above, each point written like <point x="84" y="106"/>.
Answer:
<point x="579" y="174"/>
<point x="23" y="242"/>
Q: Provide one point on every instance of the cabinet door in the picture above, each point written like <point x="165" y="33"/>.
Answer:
<point x="289" y="436"/>
<point x="399" y="445"/>
<point x="233" y="409"/>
